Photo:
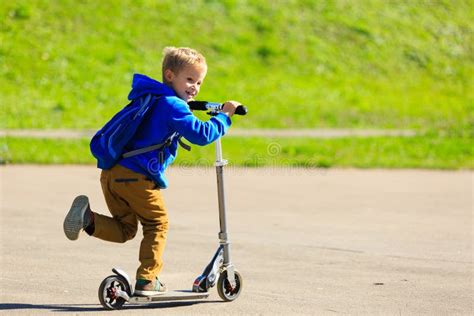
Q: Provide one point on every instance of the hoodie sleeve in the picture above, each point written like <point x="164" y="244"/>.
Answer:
<point x="193" y="129"/>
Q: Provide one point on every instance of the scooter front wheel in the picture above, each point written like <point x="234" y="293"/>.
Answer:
<point x="108" y="292"/>
<point x="225" y="289"/>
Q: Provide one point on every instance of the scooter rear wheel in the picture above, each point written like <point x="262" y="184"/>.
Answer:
<point x="108" y="292"/>
<point x="225" y="290"/>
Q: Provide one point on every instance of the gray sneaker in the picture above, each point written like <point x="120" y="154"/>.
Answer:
<point x="149" y="288"/>
<point x="77" y="218"/>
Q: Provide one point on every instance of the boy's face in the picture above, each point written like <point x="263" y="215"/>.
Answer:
<point x="187" y="82"/>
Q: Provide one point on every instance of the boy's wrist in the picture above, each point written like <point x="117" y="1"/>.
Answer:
<point x="224" y="118"/>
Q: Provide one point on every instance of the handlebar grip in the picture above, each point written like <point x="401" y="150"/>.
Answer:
<point x="241" y="110"/>
<point x="198" y="105"/>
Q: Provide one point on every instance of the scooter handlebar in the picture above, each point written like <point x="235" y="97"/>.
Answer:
<point x="214" y="107"/>
<point x="241" y="110"/>
<point x="198" y="105"/>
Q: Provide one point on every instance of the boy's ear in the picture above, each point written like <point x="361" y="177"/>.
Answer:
<point x="169" y="75"/>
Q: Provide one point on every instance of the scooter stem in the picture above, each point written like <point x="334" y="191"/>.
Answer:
<point x="223" y="237"/>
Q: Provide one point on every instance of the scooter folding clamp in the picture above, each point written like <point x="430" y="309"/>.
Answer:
<point x="221" y="163"/>
<point x="223" y="237"/>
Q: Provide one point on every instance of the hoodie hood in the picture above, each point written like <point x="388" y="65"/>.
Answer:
<point x="142" y="85"/>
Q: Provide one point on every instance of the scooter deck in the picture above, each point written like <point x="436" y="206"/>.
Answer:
<point x="175" y="295"/>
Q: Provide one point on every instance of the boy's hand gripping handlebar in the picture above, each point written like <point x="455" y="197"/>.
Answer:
<point x="214" y="107"/>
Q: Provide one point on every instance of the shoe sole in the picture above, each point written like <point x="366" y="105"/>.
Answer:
<point x="74" y="221"/>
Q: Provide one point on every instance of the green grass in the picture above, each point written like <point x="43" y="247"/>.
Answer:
<point x="295" y="64"/>
<point x="341" y="63"/>
<point x="384" y="152"/>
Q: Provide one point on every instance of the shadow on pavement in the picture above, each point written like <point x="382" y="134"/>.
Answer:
<point x="92" y="307"/>
<point x="52" y="307"/>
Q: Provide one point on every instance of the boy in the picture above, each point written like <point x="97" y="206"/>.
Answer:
<point x="132" y="187"/>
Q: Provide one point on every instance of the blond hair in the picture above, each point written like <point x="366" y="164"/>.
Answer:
<point x="176" y="58"/>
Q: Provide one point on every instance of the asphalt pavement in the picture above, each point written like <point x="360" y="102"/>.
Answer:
<point x="306" y="241"/>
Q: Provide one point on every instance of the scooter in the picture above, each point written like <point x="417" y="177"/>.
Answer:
<point x="116" y="290"/>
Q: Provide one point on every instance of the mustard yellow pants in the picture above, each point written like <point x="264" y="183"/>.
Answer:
<point x="132" y="198"/>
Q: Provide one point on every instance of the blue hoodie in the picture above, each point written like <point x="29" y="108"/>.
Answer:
<point x="170" y="115"/>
